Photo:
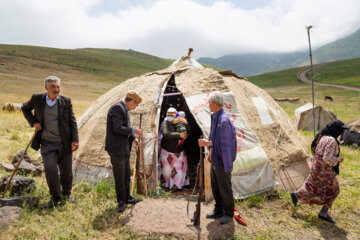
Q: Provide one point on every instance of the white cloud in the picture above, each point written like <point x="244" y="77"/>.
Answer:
<point x="167" y="28"/>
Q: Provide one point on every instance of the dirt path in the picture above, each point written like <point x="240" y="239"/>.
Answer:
<point x="167" y="217"/>
<point x="302" y="76"/>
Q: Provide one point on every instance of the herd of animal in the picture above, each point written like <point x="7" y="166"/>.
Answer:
<point x="12" y="107"/>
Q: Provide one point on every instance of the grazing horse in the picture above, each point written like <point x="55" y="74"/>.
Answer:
<point x="329" y="98"/>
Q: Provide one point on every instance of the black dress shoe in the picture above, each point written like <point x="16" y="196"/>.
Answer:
<point x="214" y="215"/>
<point x="51" y="203"/>
<point x="225" y="219"/>
<point x="327" y="218"/>
<point x="294" y="198"/>
<point x="121" y="206"/>
<point x="133" y="200"/>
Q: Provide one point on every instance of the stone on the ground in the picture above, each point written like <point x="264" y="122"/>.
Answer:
<point x="18" y="156"/>
<point x="8" y="215"/>
<point x="7" y="167"/>
<point x="27" y="168"/>
<point x="18" y="186"/>
<point x="20" y="201"/>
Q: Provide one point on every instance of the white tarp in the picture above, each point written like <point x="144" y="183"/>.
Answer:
<point x="262" y="109"/>
<point x="252" y="172"/>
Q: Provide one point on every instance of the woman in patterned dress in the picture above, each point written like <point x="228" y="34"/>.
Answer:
<point x="321" y="186"/>
<point x="173" y="159"/>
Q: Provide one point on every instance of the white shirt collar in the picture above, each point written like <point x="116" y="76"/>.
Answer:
<point x="49" y="101"/>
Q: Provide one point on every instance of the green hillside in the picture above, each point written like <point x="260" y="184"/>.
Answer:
<point x="285" y="84"/>
<point x="345" y="72"/>
<point x="85" y="73"/>
<point x="278" y="79"/>
<point x="113" y="63"/>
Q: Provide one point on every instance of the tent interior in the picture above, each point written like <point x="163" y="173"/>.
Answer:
<point x="174" y="98"/>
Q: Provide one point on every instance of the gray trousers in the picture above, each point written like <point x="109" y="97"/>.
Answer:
<point x="222" y="191"/>
<point x="58" y="168"/>
<point x="122" y="173"/>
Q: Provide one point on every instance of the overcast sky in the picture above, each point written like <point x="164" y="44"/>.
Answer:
<point x="167" y="28"/>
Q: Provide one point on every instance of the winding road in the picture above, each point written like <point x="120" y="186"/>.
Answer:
<point x="302" y="76"/>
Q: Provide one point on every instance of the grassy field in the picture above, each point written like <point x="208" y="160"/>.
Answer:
<point x="95" y="216"/>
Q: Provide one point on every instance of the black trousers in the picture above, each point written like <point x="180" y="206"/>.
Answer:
<point x="122" y="173"/>
<point x="56" y="160"/>
<point x="222" y="191"/>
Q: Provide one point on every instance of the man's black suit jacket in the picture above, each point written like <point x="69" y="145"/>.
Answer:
<point x="67" y="122"/>
<point x="119" y="135"/>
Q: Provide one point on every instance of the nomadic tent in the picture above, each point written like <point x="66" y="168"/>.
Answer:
<point x="304" y="117"/>
<point x="351" y="136"/>
<point x="270" y="150"/>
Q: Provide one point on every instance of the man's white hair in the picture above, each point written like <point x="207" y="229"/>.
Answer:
<point x="51" y="79"/>
<point x="217" y="98"/>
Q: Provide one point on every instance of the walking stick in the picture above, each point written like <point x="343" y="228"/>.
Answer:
<point x="18" y="164"/>
<point x="142" y="155"/>
<point x="133" y="179"/>
<point x="135" y="166"/>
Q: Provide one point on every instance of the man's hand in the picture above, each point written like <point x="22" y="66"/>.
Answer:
<point x="341" y="159"/>
<point x="138" y="131"/>
<point x="136" y="141"/>
<point x="74" y="146"/>
<point x="37" y="126"/>
<point x="183" y="135"/>
<point x="204" y="143"/>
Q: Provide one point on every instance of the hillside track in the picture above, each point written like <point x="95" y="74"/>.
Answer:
<point x="302" y="76"/>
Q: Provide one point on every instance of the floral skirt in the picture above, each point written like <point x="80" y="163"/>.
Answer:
<point x="173" y="170"/>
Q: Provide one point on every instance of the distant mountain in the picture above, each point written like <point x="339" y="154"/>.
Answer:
<point x="345" y="48"/>
<point x="254" y="63"/>
<point x="257" y="63"/>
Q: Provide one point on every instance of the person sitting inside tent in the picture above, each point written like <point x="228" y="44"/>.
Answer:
<point x="173" y="160"/>
<point x="322" y="187"/>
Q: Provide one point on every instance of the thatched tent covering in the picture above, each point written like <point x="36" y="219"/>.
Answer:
<point x="269" y="143"/>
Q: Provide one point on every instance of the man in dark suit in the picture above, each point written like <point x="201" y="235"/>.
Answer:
<point x="57" y="134"/>
<point x="119" y="138"/>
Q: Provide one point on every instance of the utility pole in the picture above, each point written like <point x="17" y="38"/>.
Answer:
<point x="312" y="74"/>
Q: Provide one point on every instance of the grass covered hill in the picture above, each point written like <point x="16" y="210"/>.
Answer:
<point x="344" y="72"/>
<point x="85" y="73"/>
<point x="285" y="84"/>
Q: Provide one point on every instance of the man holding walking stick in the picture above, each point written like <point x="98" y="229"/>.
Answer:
<point x="119" y="138"/>
<point x="57" y="135"/>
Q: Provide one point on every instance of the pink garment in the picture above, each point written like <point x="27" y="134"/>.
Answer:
<point x="322" y="187"/>
<point x="173" y="170"/>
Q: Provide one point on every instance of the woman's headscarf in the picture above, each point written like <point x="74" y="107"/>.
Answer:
<point x="170" y="114"/>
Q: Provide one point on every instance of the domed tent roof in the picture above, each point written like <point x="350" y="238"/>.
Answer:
<point x="304" y="117"/>
<point x="268" y="143"/>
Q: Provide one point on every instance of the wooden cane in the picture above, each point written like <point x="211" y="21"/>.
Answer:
<point x="142" y="154"/>
<point x="133" y="180"/>
<point x="18" y="164"/>
<point x="135" y="166"/>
